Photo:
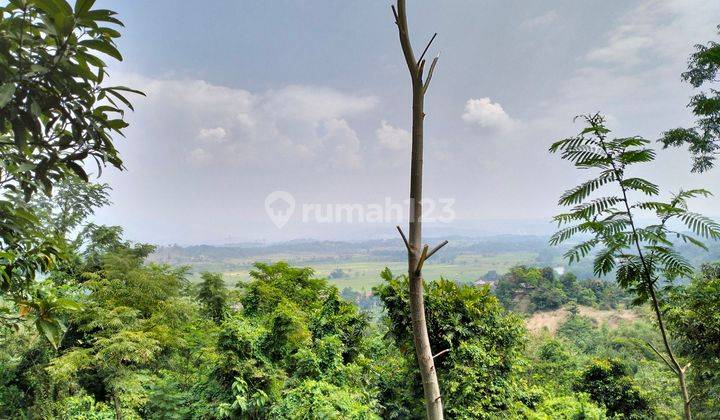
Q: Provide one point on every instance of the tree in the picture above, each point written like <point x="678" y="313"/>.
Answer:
<point x="703" y="140"/>
<point x="56" y="113"/>
<point x="416" y="257"/>
<point x="481" y="343"/>
<point x="608" y="382"/>
<point x="213" y="295"/>
<point x="640" y="256"/>
<point x="134" y="318"/>
<point x="293" y="351"/>
<point x="692" y="311"/>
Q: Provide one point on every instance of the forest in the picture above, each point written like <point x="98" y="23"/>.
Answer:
<point x="96" y="325"/>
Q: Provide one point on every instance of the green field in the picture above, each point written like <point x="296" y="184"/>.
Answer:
<point x="363" y="275"/>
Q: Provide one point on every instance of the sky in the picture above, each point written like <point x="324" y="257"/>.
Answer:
<point x="312" y="98"/>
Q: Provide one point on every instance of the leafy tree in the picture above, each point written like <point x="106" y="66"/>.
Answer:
<point x="692" y="311"/>
<point x="640" y="256"/>
<point x="703" y="140"/>
<point x="56" y="113"/>
<point x="134" y="319"/>
<point x="530" y="289"/>
<point x="295" y="350"/>
<point x="213" y="295"/>
<point x="479" y="341"/>
<point x="608" y="382"/>
<point x="55" y="110"/>
<point x="315" y="399"/>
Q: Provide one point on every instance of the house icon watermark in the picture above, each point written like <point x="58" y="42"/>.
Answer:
<point x="280" y="206"/>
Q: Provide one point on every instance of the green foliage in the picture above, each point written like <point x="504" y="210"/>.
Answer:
<point x="213" y="295"/>
<point x="294" y="351"/>
<point x="568" y="407"/>
<point x="638" y="255"/>
<point x="692" y="311"/>
<point x="703" y="140"/>
<point x="609" y="383"/>
<point x="135" y="318"/>
<point x="56" y="113"/>
<point x="530" y="289"/>
<point x="321" y="400"/>
<point x="484" y="343"/>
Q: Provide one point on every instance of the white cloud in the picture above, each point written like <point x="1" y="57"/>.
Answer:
<point x="313" y="103"/>
<point x="343" y="144"/>
<point x="622" y="49"/>
<point x="542" y="20"/>
<point x="638" y="64"/>
<point x="391" y="137"/>
<point x="487" y="114"/>
<point x="216" y="135"/>
<point x="655" y="30"/>
<point x="294" y="125"/>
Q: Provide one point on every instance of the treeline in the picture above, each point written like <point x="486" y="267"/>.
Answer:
<point x="530" y="289"/>
<point x="146" y="343"/>
<point x="149" y="344"/>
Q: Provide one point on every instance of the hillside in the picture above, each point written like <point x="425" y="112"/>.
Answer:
<point x="551" y="320"/>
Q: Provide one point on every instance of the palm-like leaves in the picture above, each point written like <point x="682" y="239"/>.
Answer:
<point x="637" y="254"/>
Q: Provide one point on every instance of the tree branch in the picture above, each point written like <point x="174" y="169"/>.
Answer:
<point x="426" y="47"/>
<point x="436" y="249"/>
<point x="430" y="73"/>
<point x="442" y="352"/>
<point x="667" y="362"/>
<point x="421" y="261"/>
<point x="404" y="238"/>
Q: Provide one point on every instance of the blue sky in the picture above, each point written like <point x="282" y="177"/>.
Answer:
<point x="312" y="97"/>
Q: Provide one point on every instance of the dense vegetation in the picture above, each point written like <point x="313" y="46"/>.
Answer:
<point x="148" y="343"/>
<point x="528" y="289"/>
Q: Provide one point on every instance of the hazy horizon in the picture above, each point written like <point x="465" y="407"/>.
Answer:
<point x="312" y="98"/>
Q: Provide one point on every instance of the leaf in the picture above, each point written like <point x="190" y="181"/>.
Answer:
<point x="7" y="90"/>
<point x="83" y="6"/>
<point x="701" y="225"/>
<point x="103" y="15"/>
<point x="51" y="329"/>
<point x="582" y="191"/>
<point x="639" y="184"/>
<point x="102" y="46"/>
<point x="52" y="7"/>
<point x="127" y="89"/>
<point x="604" y="261"/>
<point x="78" y="170"/>
<point x="67" y="304"/>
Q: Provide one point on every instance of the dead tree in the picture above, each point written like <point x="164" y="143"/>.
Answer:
<point x="416" y="257"/>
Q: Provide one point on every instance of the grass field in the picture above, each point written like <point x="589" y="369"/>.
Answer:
<point x="363" y="275"/>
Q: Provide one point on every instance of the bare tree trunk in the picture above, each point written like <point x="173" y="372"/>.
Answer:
<point x="416" y="258"/>
<point x="118" y="409"/>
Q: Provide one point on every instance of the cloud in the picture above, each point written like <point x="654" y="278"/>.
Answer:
<point x="297" y="125"/>
<point x="542" y="20"/>
<point x="215" y="135"/>
<point x="313" y="103"/>
<point x="391" y="137"/>
<point x="343" y="144"/>
<point x="487" y="114"/>
<point x="637" y="65"/>
<point x="657" y="31"/>
<point x="622" y="50"/>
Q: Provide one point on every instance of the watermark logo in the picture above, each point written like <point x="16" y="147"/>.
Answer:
<point x="280" y="206"/>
